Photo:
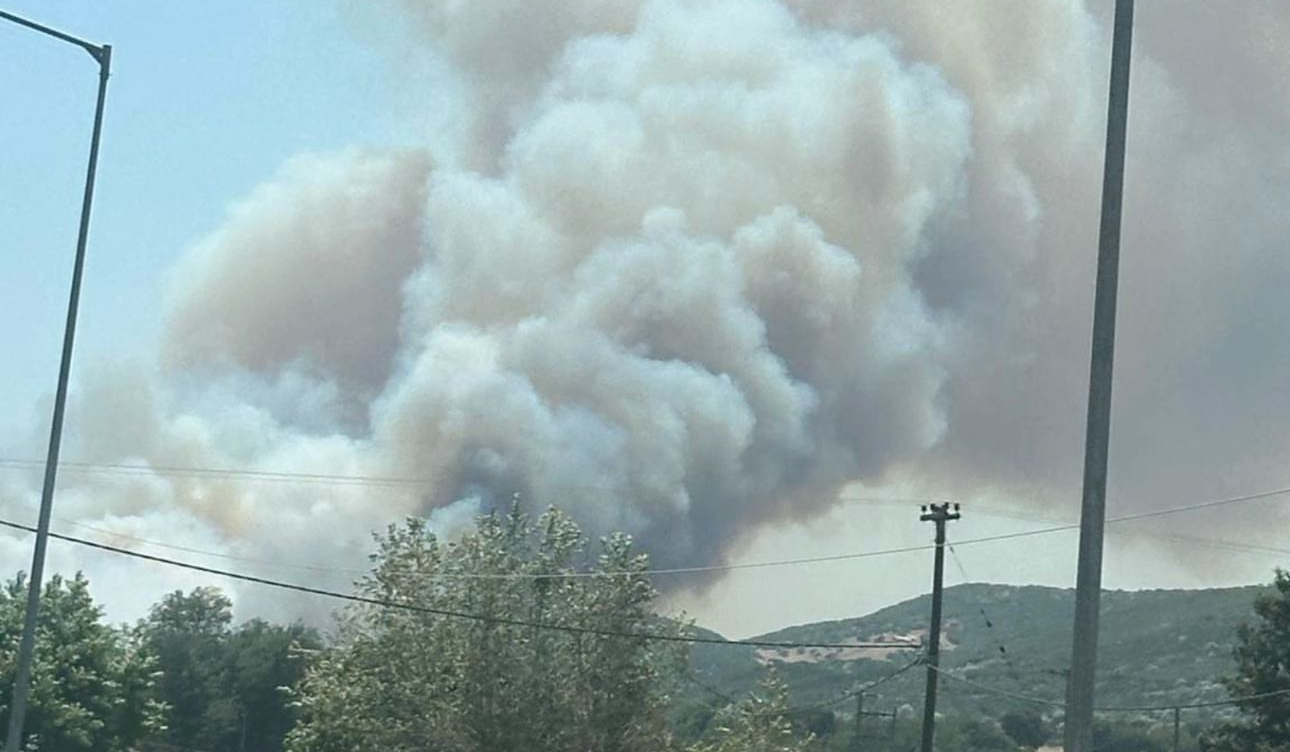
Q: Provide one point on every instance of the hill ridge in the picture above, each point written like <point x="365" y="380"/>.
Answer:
<point x="1157" y="646"/>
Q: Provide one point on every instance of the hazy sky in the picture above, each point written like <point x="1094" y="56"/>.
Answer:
<point x="733" y="276"/>
<point x="205" y="101"/>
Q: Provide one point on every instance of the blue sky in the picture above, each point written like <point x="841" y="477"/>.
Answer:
<point x="206" y="100"/>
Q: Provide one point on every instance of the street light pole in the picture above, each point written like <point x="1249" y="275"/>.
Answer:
<point x="26" y="648"/>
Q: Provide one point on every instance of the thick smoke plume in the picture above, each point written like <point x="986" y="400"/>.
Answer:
<point x="690" y="267"/>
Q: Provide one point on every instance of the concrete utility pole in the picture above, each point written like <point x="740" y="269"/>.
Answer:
<point x="938" y="514"/>
<point x="1088" y="584"/>
<point x="22" y="681"/>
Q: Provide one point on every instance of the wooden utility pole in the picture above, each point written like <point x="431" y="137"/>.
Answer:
<point x="856" y="738"/>
<point x="856" y="745"/>
<point x="939" y="514"/>
<point x="1097" y="432"/>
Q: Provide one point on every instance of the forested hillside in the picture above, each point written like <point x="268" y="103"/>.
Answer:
<point x="1157" y="647"/>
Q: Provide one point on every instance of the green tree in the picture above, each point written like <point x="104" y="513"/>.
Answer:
<point x="1262" y="670"/>
<point x="186" y="633"/>
<point x="759" y="723"/>
<point x="225" y="687"/>
<point x="820" y="723"/>
<point x="398" y="680"/>
<point x="972" y="734"/>
<point x="1122" y="737"/>
<point x="1026" y="728"/>
<point x="692" y="720"/>
<point x="91" y="689"/>
<point x="263" y="662"/>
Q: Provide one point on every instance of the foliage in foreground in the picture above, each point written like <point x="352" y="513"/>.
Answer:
<point x="1263" y="671"/>
<point x="411" y="679"/>
<point x="224" y="687"/>
<point x="759" y="723"/>
<point x="92" y="688"/>
<point x="396" y="679"/>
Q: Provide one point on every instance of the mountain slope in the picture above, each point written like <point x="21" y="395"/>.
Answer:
<point x="1157" y="647"/>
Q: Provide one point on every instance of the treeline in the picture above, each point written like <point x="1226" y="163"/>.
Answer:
<point x="486" y="643"/>
<point x="183" y="678"/>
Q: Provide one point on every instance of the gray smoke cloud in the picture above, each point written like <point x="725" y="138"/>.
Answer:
<point x="689" y="268"/>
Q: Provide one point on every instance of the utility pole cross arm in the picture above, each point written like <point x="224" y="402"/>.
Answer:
<point x="939" y="514"/>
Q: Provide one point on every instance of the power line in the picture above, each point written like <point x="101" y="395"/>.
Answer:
<point x="690" y="677"/>
<point x="1133" y="517"/>
<point x="1236" y="546"/>
<point x="816" y="705"/>
<point x="412" y="607"/>
<point x="1110" y="708"/>
<point x="519" y="575"/>
<point x="135" y="469"/>
<point x="765" y="564"/>
<point x="1218" y="543"/>
<point x="1201" y="505"/>
<point x="918" y="661"/>
<point x="1252" y="548"/>
<point x="999" y="692"/>
<point x="587" y="574"/>
<point x="216" y="554"/>
<point x="989" y="623"/>
<point x="1192" y="705"/>
<point x="326" y="478"/>
<point x="762" y="564"/>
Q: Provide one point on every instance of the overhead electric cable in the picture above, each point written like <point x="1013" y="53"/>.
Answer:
<point x="918" y="661"/>
<point x="139" y="468"/>
<point x="135" y="469"/>
<point x="815" y="705"/>
<point x="215" y="554"/>
<point x="699" y="569"/>
<point x="985" y="617"/>
<point x="690" y="677"/>
<point x="281" y="564"/>
<point x="1110" y="708"/>
<point x="449" y="613"/>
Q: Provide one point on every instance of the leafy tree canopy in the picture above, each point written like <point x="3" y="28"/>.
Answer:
<point x="1262" y="671"/>
<point x="91" y="688"/>
<point x="400" y="681"/>
<point x="224" y="687"/>
<point x="1026" y="728"/>
<point x="759" y="723"/>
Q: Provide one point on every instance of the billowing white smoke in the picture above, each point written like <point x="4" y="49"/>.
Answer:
<point x="682" y="304"/>
<point x="685" y="267"/>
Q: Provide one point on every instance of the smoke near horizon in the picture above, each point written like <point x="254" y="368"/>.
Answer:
<point x="690" y="268"/>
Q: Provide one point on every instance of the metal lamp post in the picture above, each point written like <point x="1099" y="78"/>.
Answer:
<point x="22" y="681"/>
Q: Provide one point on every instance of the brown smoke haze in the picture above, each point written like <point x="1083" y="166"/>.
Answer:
<point x="689" y="269"/>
